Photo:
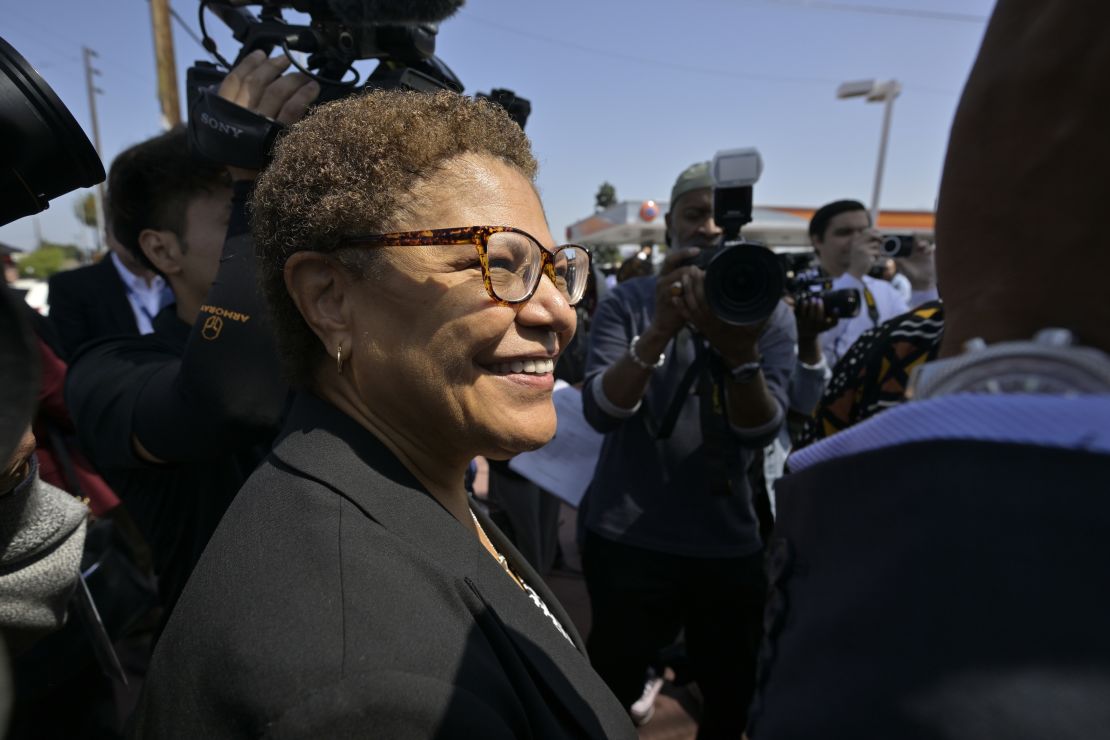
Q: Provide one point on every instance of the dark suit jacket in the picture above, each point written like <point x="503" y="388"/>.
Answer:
<point x="945" y="589"/>
<point x="338" y="599"/>
<point x="89" y="303"/>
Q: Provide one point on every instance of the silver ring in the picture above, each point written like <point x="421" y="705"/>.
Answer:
<point x="676" y="288"/>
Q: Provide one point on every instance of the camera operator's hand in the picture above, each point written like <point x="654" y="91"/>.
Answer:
<point x="920" y="268"/>
<point x="257" y="84"/>
<point x="736" y="344"/>
<point x="864" y="252"/>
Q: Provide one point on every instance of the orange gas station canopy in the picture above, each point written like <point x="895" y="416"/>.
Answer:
<point x="888" y="220"/>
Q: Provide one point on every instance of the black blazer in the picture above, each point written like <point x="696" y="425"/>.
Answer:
<point x="337" y="598"/>
<point x="89" y="303"/>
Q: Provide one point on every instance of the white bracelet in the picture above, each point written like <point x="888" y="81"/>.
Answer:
<point x="636" y="358"/>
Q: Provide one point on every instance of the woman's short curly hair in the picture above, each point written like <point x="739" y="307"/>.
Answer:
<point x="352" y="167"/>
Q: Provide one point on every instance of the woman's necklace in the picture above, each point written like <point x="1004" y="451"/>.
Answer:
<point x="485" y="540"/>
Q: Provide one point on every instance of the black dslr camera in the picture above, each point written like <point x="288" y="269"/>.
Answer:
<point x="400" y="35"/>
<point x="802" y="281"/>
<point x="744" y="280"/>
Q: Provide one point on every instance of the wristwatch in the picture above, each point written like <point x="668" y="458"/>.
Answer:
<point x="745" y="373"/>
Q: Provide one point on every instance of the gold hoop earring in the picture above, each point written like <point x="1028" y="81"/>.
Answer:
<point x="339" y="358"/>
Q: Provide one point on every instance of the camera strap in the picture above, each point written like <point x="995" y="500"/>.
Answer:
<point x="708" y="371"/>
<point x="718" y="446"/>
<point x="872" y="308"/>
<point x="670" y="418"/>
<point x="229" y="134"/>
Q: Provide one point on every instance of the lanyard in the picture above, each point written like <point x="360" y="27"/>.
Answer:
<point x="872" y="309"/>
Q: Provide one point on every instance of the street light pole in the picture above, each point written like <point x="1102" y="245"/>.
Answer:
<point x="875" y="92"/>
<point x="890" y="92"/>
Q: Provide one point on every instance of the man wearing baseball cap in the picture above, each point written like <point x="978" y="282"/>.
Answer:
<point x="686" y="403"/>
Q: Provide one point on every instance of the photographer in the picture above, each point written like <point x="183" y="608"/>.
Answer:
<point x="177" y="420"/>
<point x="672" y="538"/>
<point x="848" y="246"/>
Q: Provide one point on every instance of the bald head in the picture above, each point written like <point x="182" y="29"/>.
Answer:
<point x="1021" y="241"/>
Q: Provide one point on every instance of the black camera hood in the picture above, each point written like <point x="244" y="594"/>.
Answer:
<point x="43" y="152"/>
<point x="224" y="132"/>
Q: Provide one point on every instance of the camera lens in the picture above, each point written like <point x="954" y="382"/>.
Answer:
<point x="898" y="245"/>
<point x="46" y="154"/>
<point x="842" y="304"/>
<point x="743" y="283"/>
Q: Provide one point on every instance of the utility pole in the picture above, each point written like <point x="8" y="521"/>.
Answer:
<point x="166" y="64"/>
<point x="93" y="90"/>
<point x="38" y="231"/>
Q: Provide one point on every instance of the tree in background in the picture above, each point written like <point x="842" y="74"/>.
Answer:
<point x="48" y="259"/>
<point x="605" y="256"/>
<point x="606" y="196"/>
<point x="85" y="210"/>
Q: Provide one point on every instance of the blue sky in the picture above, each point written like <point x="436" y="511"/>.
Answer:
<point x="629" y="91"/>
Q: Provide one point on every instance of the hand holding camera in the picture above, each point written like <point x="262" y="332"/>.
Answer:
<point x="258" y="85"/>
<point x="669" y="315"/>
<point x="865" y="250"/>
<point x="811" y="317"/>
<point x="736" y="343"/>
<point x="920" y="266"/>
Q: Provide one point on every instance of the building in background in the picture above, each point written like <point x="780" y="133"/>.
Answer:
<point x="628" y="225"/>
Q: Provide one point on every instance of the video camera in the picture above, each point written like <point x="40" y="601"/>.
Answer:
<point x="400" y="35"/>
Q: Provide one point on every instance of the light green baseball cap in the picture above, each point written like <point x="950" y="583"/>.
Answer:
<point x="694" y="177"/>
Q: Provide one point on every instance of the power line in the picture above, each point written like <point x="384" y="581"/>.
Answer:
<point x="51" y="42"/>
<point x="933" y="15"/>
<point x="644" y="60"/>
<point x="185" y="27"/>
<point x="656" y="62"/>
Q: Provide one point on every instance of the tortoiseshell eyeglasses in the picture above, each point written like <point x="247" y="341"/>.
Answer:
<point x="512" y="260"/>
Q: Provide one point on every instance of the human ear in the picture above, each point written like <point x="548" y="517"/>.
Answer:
<point x="321" y="291"/>
<point x="163" y="249"/>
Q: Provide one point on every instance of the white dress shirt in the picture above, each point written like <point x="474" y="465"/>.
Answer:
<point x="146" y="300"/>
<point x="888" y="303"/>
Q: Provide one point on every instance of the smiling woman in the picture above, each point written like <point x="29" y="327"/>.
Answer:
<point x="351" y="590"/>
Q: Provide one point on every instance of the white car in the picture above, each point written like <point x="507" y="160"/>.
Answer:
<point x="37" y="294"/>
